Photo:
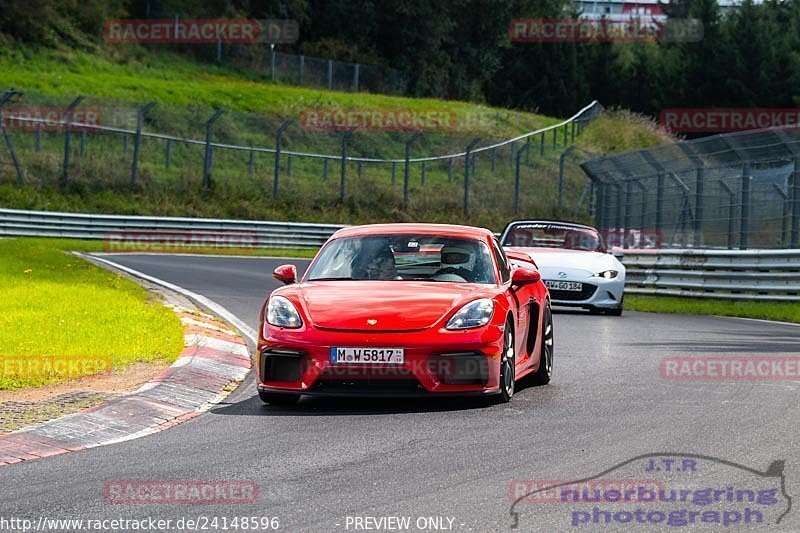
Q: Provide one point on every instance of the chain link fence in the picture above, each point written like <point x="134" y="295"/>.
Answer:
<point x="736" y="190"/>
<point x="101" y="143"/>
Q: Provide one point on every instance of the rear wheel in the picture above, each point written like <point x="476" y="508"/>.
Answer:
<point x="507" y="366"/>
<point x="276" y="398"/>
<point x="544" y="373"/>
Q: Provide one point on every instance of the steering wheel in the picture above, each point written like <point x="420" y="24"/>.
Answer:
<point x="456" y="271"/>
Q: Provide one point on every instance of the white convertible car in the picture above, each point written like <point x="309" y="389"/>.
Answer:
<point x="573" y="261"/>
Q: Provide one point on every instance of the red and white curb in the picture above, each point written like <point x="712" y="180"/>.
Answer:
<point x="213" y="359"/>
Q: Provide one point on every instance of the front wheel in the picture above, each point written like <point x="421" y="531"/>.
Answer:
<point x="277" y="398"/>
<point x="544" y="373"/>
<point x="507" y="366"/>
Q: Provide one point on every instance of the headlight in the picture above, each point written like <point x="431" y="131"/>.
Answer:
<point x="608" y="274"/>
<point x="282" y="313"/>
<point x="472" y="315"/>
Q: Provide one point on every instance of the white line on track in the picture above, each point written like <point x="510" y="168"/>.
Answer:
<point x="199" y="298"/>
<point x="237" y="256"/>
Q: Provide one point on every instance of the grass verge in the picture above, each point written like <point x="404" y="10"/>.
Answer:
<point x="778" y="311"/>
<point x="56" y="308"/>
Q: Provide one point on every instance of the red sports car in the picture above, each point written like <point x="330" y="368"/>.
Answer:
<point x="406" y="310"/>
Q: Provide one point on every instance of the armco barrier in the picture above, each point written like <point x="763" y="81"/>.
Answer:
<point x="732" y="274"/>
<point x="84" y="226"/>
<point x="767" y="275"/>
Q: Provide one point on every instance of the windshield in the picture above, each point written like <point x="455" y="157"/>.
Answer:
<point x="404" y="257"/>
<point x="550" y="235"/>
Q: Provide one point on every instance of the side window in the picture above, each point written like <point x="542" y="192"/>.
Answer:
<point x="502" y="262"/>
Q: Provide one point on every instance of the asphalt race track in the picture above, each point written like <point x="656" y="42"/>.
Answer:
<point x="324" y="460"/>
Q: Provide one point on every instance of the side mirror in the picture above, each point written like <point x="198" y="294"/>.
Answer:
<point x="525" y="276"/>
<point x="286" y="274"/>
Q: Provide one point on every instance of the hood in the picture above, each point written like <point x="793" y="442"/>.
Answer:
<point x="396" y="305"/>
<point x="576" y="260"/>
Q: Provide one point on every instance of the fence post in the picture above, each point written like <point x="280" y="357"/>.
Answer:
<point x="406" y="168"/>
<point x="82" y="149"/>
<point x="67" y="147"/>
<point x="207" y="160"/>
<point x="731" y="211"/>
<point x="137" y="141"/>
<point x="561" y="162"/>
<point x="273" y="71"/>
<point x="628" y="209"/>
<point x="618" y="218"/>
<point x="394" y="173"/>
<point x="38" y="146"/>
<point x="516" y="177"/>
<point x="699" y="212"/>
<point x="325" y="169"/>
<point x="494" y="158"/>
<point x="450" y="170"/>
<point x="289" y="165"/>
<point x="356" y="75"/>
<point x="541" y="149"/>
<point x="659" y="203"/>
<point x="422" y="174"/>
<point x="360" y="169"/>
<point x="511" y="153"/>
<point x="342" y="184"/>
<point x="573" y="130"/>
<point x="302" y="68"/>
<point x="784" y="211"/>
<point x="330" y="74"/>
<point x="795" y="204"/>
<point x="470" y="146"/>
<point x="125" y="143"/>
<point x="6" y="96"/>
<point x="555" y="138"/>
<point x="251" y="165"/>
<point x="278" y="143"/>
<point x="566" y="134"/>
<point x="168" y="154"/>
<point x="745" y="226"/>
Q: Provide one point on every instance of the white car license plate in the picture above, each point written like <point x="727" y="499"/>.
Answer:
<point x="564" y="285"/>
<point x="371" y="356"/>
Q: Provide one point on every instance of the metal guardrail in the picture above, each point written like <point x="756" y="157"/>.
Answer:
<point x="764" y="275"/>
<point x="121" y="229"/>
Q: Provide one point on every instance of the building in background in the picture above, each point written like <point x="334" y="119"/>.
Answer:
<point x="621" y="10"/>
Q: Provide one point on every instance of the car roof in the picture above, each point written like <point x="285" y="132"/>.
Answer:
<point x="446" y="230"/>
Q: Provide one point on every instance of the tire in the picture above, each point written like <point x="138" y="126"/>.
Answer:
<point x="276" y="398"/>
<point x="508" y="361"/>
<point x="544" y="373"/>
<point x="617" y="311"/>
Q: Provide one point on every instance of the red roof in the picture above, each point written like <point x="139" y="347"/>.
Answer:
<point x="447" y="230"/>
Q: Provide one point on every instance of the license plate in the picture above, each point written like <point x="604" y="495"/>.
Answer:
<point x="371" y="356"/>
<point x="564" y="285"/>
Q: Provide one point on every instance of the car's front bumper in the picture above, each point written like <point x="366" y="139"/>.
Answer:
<point x="597" y="292"/>
<point x="436" y="363"/>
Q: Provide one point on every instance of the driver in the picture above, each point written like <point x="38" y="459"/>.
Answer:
<point x="376" y="263"/>
<point x="456" y="261"/>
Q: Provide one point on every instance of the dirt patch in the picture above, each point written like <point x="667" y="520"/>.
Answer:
<point x="130" y="378"/>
